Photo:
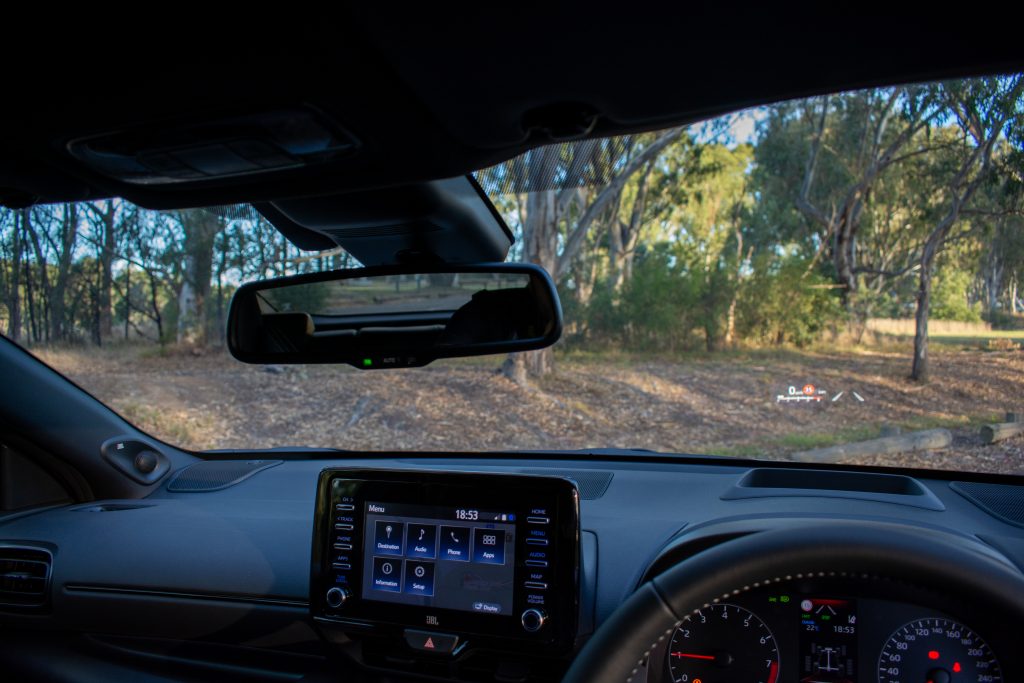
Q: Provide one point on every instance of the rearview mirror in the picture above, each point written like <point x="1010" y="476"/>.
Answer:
<point x="395" y="316"/>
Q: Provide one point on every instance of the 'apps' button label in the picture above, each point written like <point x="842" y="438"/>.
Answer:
<point x="489" y="546"/>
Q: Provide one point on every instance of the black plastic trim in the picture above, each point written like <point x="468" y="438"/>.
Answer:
<point x="206" y="597"/>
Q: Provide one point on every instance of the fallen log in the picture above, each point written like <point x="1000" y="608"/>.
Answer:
<point x="1001" y="431"/>
<point x="931" y="439"/>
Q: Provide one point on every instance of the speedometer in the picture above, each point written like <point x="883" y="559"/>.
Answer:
<point x="937" y="651"/>
<point x="723" y="644"/>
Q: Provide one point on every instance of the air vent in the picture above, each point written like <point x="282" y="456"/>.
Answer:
<point x="1002" y="501"/>
<point x="591" y="483"/>
<point x="214" y="475"/>
<point x="24" y="576"/>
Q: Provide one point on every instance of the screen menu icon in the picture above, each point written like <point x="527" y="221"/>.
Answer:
<point x="489" y="546"/>
<point x="387" y="574"/>
<point x="421" y="541"/>
<point x="419" y="578"/>
<point x="388" y="538"/>
<point x="455" y="543"/>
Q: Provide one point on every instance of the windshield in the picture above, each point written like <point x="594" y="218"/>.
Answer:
<point x="793" y="281"/>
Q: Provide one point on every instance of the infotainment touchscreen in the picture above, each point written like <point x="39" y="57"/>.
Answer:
<point x="434" y="556"/>
<point x="490" y="556"/>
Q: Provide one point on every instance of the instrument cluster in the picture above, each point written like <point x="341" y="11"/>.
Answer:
<point x="809" y="636"/>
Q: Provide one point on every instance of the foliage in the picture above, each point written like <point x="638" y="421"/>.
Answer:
<point x="785" y="303"/>
<point x="950" y="297"/>
<point x="838" y="209"/>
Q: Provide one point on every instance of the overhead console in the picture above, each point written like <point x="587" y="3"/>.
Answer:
<point x="423" y="567"/>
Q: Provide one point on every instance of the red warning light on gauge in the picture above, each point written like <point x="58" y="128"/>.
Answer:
<point x="809" y="390"/>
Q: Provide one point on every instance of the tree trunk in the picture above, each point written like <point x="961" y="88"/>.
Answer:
<point x="106" y="311"/>
<point x="519" y="367"/>
<point x="14" y="300"/>
<point x="33" y="329"/>
<point x="919" y="371"/>
<point x="730" y="320"/>
<point x="42" y="330"/>
<point x="844" y="258"/>
<point x="201" y="228"/>
<point x="540" y="246"/>
<point x="127" y="295"/>
<point x="58" y="308"/>
<point x="154" y="302"/>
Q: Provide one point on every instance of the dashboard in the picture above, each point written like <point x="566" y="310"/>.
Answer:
<point x="396" y="569"/>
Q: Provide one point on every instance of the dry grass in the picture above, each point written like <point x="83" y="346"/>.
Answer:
<point x="723" y="404"/>
<point x="939" y="329"/>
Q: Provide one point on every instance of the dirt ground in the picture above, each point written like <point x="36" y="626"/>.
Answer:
<point x="726" y="405"/>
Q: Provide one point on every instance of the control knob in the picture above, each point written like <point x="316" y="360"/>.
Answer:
<point x="533" y="620"/>
<point x="336" y="597"/>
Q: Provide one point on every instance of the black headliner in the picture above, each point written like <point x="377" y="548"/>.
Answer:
<point x="434" y="93"/>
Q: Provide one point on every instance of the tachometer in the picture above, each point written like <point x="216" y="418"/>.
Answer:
<point x="937" y="651"/>
<point x="723" y="644"/>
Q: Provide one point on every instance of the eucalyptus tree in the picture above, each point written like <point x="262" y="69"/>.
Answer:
<point x="565" y="190"/>
<point x="984" y="111"/>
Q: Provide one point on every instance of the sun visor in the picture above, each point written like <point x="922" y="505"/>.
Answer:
<point x="440" y="221"/>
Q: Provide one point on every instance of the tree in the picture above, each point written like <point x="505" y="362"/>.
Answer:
<point x="984" y="110"/>
<point x="64" y="245"/>
<point x="708" y="231"/>
<point x="826" y="156"/>
<point x="567" y="188"/>
<point x="201" y="228"/>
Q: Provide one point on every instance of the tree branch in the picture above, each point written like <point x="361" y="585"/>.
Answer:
<point x="575" y="238"/>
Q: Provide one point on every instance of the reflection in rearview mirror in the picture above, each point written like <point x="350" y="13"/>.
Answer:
<point x="384" y="318"/>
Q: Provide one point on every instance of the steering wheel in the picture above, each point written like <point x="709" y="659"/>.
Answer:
<point x="929" y="559"/>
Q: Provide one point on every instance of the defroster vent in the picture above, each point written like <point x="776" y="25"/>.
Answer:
<point x="591" y="483"/>
<point x="214" y="475"/>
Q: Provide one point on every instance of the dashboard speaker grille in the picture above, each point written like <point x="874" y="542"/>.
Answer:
<point x="999" y="500"/>
<point x="591" y="484"/>
<point x="214" y="475"/>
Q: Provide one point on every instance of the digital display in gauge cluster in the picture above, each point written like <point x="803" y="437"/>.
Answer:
<point x="780" y="637"/>
<point x="828" y="640"/>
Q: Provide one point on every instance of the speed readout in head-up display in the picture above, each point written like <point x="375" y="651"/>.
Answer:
<point x="434" y="556"/>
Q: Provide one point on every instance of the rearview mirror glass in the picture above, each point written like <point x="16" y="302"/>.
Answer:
<point x="394" y="316"/>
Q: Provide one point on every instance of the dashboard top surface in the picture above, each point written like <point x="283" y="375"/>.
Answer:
<point x="265" y="522"/>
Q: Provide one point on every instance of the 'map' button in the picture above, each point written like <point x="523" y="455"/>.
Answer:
<point x="428" y="641"/>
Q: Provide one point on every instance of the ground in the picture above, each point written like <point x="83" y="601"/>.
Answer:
<point x="723" y="404"/>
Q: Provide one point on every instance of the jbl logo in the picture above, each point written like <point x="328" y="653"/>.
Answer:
<point x="431" y="620"/>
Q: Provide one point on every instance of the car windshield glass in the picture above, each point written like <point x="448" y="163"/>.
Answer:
<point x="830" y="279"/>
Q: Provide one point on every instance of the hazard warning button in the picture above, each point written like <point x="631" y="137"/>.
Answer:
<point x="429" y="641"/>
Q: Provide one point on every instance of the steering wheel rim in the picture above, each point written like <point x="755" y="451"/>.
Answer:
<point x="927" y="558"/>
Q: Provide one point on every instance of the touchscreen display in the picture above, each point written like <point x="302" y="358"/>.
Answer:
<point x="436" y="556"/>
